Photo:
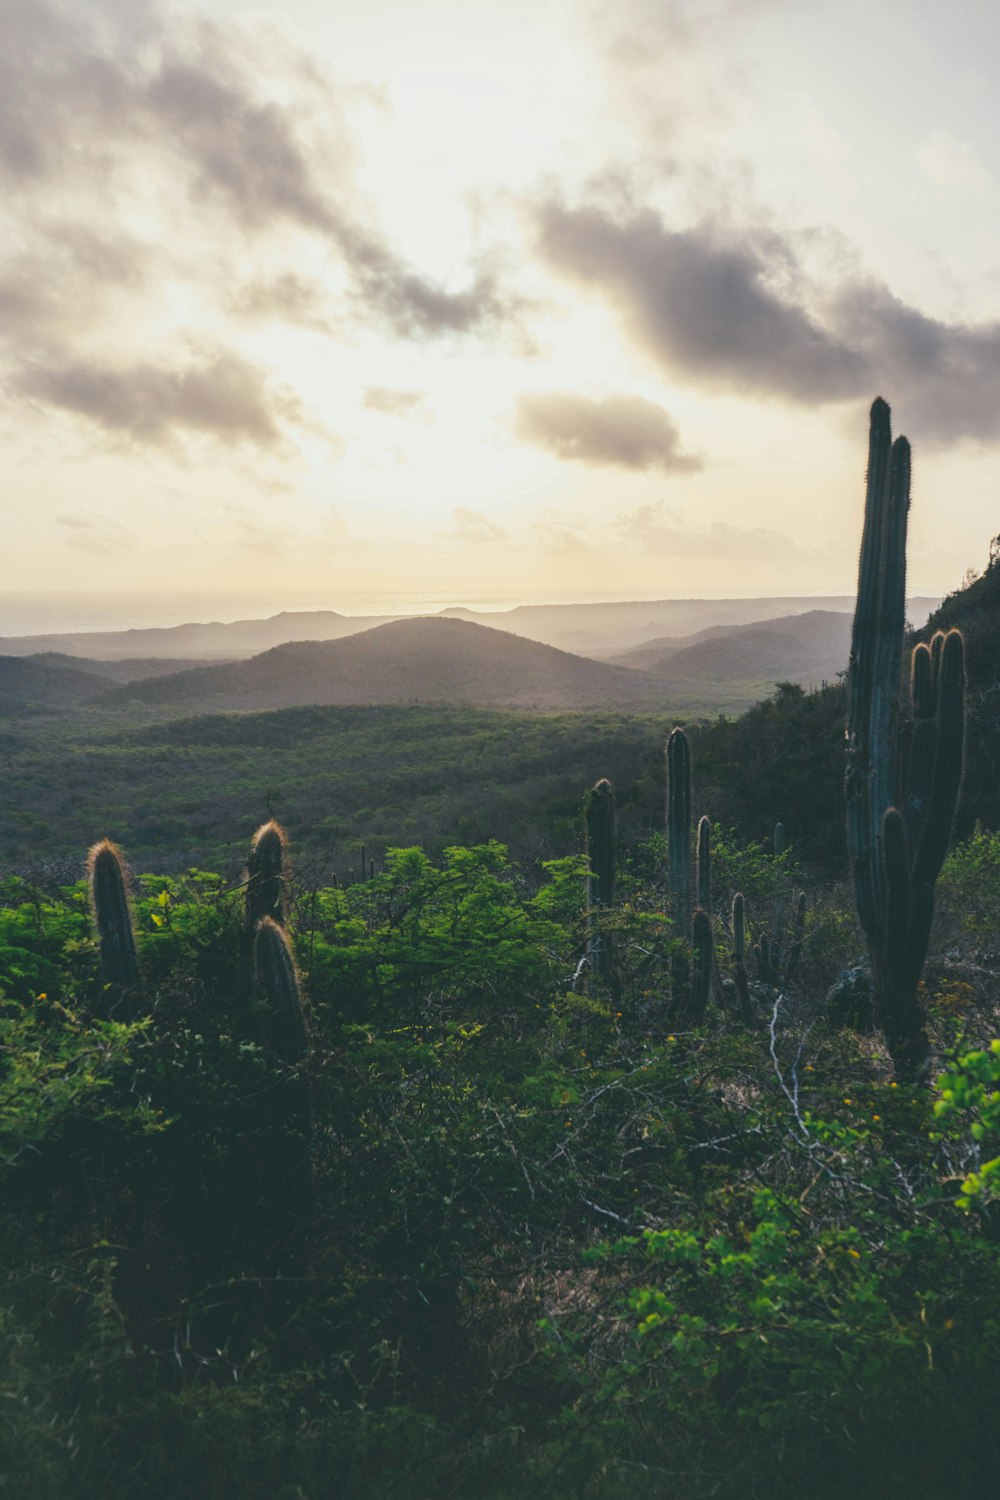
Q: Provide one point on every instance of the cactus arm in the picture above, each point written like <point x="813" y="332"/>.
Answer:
<point x="704" y="868"/>
<point x="949" y="749"/>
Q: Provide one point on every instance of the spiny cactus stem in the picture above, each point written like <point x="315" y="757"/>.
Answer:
<point x="739" y="927"/>
<point x="701" y="979"/>
<point x="705" y="864"/>
<point x="265" y="892"/>
<point x="275" y="970"/>
<point x="112" y="916"/>
<point x="795" y="952"/>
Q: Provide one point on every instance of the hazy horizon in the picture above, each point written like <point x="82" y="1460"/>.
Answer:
<point x="58" y="612"/>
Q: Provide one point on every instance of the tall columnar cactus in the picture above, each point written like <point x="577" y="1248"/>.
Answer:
<point x="903" y="769"/>
<point x="599" y="830"/>
<point x="113" y="918"/>
<point x="265" y="889"/>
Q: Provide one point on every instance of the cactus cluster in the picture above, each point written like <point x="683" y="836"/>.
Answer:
<point x="272" y="970"/>
<point x="776" y="962"/>
<point x="904" y="765"/>
<point x="692" y="985"/>
<point x="695" y="985"/>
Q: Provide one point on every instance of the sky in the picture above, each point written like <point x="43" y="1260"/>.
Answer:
<point x="529" y="301"/>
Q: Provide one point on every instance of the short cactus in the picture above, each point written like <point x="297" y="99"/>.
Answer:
<point x="266" y="877"/>
<point x="113" y="918"/>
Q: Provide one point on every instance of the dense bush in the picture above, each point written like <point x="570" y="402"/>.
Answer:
<point x="503" y="1231"/>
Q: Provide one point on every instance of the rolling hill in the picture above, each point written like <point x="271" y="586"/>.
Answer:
<point x="806" y="648"/>
<point x="29" y="683"/>
<point x="426" y="660"/>
<point x="211" y="641"/>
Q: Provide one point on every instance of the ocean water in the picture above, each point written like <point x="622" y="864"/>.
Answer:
<point x="58" y="613"/>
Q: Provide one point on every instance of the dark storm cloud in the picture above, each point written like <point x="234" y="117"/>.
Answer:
<point x="225" y="397"/>
<point x="625" y="431"/>
<point x="737" y="313"/>
<point x="701" y="306"/>
<point x="944" y="377"/>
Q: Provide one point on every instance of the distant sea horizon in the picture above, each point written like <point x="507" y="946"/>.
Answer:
<point x="60" y="612"/>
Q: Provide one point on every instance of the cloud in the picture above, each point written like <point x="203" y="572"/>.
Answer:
<point x="739" y="314"/>
<point x="228" y="143"/>
<point x="286" y="298"/>
<point x="656" y="529"/>
<point x="393" y="402"/>
<point x="626" y="432"/>
<point x="701" y="304"/>
<point x="473" y="528"/>
<point x="943" y="378"/>
<point x="669" y="63"/>
<point x="224" y="397"/>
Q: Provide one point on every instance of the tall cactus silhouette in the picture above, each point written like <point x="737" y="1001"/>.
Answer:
<point x="903" y="769"/>
<point x="113" y="918"/>
<point x="265" y="889"/>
